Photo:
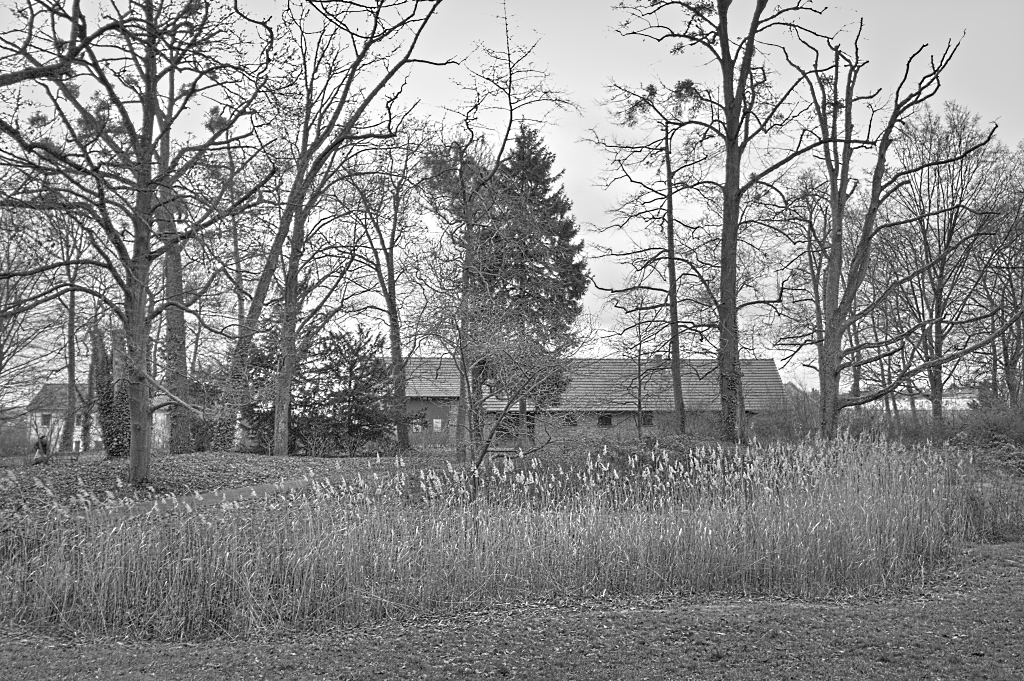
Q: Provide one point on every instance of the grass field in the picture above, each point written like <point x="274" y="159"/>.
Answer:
<point x="856" y="523"/>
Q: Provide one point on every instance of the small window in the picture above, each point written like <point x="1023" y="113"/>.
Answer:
<point x="646" y="418"/>
<point x="438" y="424"/>
<point x="571" y="419"/>
<point x="417" y="427"/>
<point x="78" y="419"/>
<point x="76" y="446"/>
<point x="604" y="420"/>
<point x="44" y="420"/>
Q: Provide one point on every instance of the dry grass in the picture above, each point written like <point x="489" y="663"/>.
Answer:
<point x="812" y="520"/>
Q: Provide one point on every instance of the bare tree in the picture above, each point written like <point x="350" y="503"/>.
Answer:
<point x="735" y="120"/>
<point x="947" y="236"/>
<point x="25" y="335"/>
<point x="111" y="134"/>
<point x="640" y="339"/>
<point x="387" y="212"/>
<point x="653" y="204"/>
<point x="339" y="92"/>
<point x="843" y="230"/>
<point x="1001" y="291"/>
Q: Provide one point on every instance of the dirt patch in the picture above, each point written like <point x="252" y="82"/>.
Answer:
<point x="968" y="624"/>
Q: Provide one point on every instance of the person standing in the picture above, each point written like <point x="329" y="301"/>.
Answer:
<point x="41" y="451"/>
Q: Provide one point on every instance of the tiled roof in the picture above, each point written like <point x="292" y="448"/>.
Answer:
<point x="611" y="384"/>
<point x="427" y="377"/>
<point x="52" y="397"/>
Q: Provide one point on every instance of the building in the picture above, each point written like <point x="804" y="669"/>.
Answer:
<point x="602" y="399"/>
<point x="46" y="413"/>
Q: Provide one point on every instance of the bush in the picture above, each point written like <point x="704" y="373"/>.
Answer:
<point x="14" y="438"/>
<point x="996" y="425"/>
<point x="341" y="396"/>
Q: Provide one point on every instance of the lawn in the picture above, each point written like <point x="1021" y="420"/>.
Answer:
<point x="861" y="560"/>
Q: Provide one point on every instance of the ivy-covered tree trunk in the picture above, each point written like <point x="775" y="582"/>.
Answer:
<point x="89" y="404"/>
<point x="176" y="380"/>
<point x="111" y="399"/>
<point x="68" y="432"/>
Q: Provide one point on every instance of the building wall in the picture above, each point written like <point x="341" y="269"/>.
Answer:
<point x="51" y="424"/>
<point x="589" y="426"/>
<point x="436" y="421"/>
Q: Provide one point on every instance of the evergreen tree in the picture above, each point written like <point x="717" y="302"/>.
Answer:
<point x="532" y="269"/>
<point x="536" y="269"/>
<point x="344" y="389"/>
<point x="511" y="287"/>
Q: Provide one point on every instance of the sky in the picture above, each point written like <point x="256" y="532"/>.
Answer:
<point x="578" y="45"/>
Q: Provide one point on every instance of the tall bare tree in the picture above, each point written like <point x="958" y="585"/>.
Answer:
<point x="340" y="90"/>
<point x="848" y="216"/>
<point x="388" y="198"/>
<point x="653" y="204"/>
<point x="949" y="236"/>
<point x="736" y="116"/>
<point x="111" y="133"/>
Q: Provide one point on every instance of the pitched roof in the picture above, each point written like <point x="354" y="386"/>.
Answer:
<point x="608" y="384"/>
<point x="427" y="377"/>
<point x="52" y="397"/>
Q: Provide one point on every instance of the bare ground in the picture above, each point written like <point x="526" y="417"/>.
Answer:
<point x="967" y="625"/>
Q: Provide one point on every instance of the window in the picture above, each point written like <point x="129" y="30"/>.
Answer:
<point x="76" y="446"/>
<point x="44" y="420"/>
<point x="78" y="419"/>
<point x="604" y="420"/>
<point x="417" y="427"/>
<point x="571" y="419"/>
<point x="646" y="418"/>
<point x="438" y="424"/>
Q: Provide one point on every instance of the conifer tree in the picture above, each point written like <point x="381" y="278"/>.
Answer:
<point x="534" y="267"/>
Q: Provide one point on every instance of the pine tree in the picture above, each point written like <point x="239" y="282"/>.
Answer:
<point x="536" y="268"/>
<point x="530" y="270"/>
<point x="519" y="277"/>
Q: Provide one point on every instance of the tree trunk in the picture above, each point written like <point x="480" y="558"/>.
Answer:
<point x="179" y="418"/>
<point x="136" y="361"/>
<point x="830" y="355"/>
<point x="67" y="434"/>
<point x="288" y="346"/>
<point x="287" y="362"/>
<point x="728" y="321"/>
<point x="673" y="295"/>
<point x="856" y="370"/>
<point x="90" y="392"/>
<point x="1011" y="377"/>
<point x="523" y="427"/>
<point x="398" y="379"/>
<point x="935" y="389"/>
<point x="238" y="372"/>
<point x="461" y="419"/>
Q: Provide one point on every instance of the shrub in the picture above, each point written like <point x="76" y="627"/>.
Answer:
<point x="341" y="396"/>
<point x="14" y="438"/>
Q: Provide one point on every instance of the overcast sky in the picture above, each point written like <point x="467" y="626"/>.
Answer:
<point x="579" y="46"/>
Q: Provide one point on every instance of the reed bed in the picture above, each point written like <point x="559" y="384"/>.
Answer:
<point x="807" y="521"/>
